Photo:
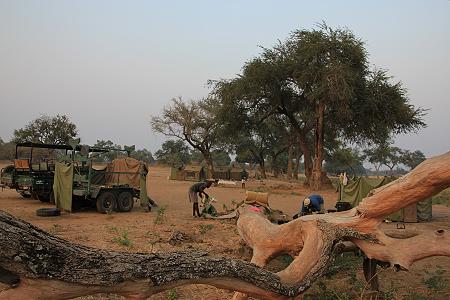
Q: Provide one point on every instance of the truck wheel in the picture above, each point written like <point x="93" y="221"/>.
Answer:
<point x="106" y="202"/>
<point x="44" y="197"/>
<point x="125" y="201"/>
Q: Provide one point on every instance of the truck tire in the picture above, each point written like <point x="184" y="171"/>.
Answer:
<point x="44" y="197"/>
<point x="48" y="212"/>
<point x="125" y="201"/>
<point x="106" y="202"/>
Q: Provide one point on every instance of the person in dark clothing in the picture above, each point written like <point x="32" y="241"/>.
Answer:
<point x="195" y="191"/>
<point x="312" y="203"/>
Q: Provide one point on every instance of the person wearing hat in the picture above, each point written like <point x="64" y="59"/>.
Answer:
<point x="312" y="203"/>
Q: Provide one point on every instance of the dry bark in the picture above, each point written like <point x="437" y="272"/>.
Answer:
<point x="309" y="246"/>
<point x="52" y="268"/>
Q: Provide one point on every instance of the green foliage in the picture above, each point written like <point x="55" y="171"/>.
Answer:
<point x="412" y="159"/>
<point x="112" y="229"/>
<point x="173" y="153"/>
<point x="45" y="129"/>
<point x="123" y="240"/>
<point x="193" y="122"/>
<point x="286" y="259"/>
<point x="205" y="228"/>
<point x="345" y="160"/>
<point x="220" y="158"/>
<point x="312" y="72"/>
<point x="436" y="281"/>
<point x="160" y="215"/>
<point x="442" y="198"/>
<point x="109" y="156"/>
<point x="343" y="263"/>
<point x="7" y="150"/>
<point x="172" y="294"/>
<point x="385" y="154"/>
<point x="143" y="155"/>
<point x="196" y="157"/>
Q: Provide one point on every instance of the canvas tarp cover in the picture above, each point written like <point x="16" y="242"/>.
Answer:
<point x="257" y="197"/>
<point x="424" y="210"/>
<point x="62" y="185"/>
<point x="129" y="171"/>
<point x="356" y="190"/>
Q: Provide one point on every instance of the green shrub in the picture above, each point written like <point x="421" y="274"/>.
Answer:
<point x="436" y="281"/>
<point x="123" y="240"/>
<point x="160" y="215"/>
<point x="172" y="294"/>
<point x="205" y="228"/>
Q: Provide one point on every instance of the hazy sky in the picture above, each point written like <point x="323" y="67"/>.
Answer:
<point x="110" y="65"/>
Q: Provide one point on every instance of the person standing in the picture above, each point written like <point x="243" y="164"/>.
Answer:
<point x="195" y="191"/>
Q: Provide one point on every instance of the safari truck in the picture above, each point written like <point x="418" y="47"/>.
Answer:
<point x="108" y="187"/>
<point x="31" y="174"/>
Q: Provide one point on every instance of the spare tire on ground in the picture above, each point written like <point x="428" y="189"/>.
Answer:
<point x="48" y="212"/>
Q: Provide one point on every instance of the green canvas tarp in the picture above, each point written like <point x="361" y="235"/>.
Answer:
<point x="424" y="210"/>
<point x="62" y="185"/>
<point x="129" y="171"/>
<point x="356" y="190"/>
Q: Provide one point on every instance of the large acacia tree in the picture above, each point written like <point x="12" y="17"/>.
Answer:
<point x="193" y="122"/>
<point x="45" y="129"/>
<point x="320" y="80"/>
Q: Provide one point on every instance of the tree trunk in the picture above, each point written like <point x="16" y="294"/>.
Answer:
<point x="263" y="168"/>
<point x="297" y="166"/>
<point x="209" y="163"/>
<point x="52" y="268"/>
<point x="316" y="179"/>
<point x="378" y="170"/>
<point x="306" y="159"/>
<point x="289" y="164"/>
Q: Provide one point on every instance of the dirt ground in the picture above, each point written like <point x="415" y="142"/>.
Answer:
<point x="137" y="232"/>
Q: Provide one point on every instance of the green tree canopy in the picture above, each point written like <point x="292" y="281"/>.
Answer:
<point x="49" y="130"/>
<point x="143" y="155"/>
<point x="173" y="153"/>
<point x="221" y="158"/>
<point x="345" y="160"/>
<point x="412" y="159"/>
<point x="109" y="156"/>
<point x="320" y="81"/>
<point x="193" y="122"/>
<point x="7" y="150"/>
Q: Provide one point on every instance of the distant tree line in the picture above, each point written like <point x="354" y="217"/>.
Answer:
<point x="309" y="104"/>
<point x="60" y="130"/>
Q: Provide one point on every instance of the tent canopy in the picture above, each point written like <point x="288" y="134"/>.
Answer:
<point x="356" y="190"/>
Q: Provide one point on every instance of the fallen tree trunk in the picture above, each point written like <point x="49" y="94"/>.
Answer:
<point x="52" y="268"/>
<point x="300" y="238"/>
